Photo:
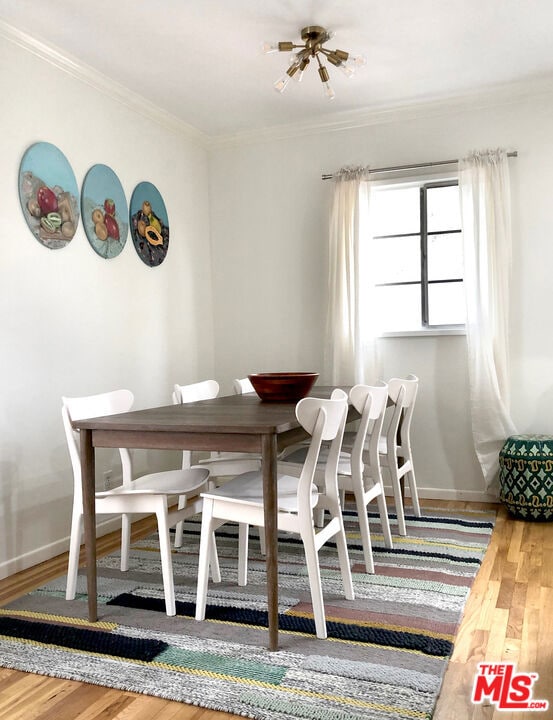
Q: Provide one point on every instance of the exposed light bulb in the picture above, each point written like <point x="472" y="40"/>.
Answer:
<point x="358" y="60"/>
<point x="281" y="83"/>
<point x="269" y="47"/>
<point x="346" y="69"/>
<point x="329" y="92"/>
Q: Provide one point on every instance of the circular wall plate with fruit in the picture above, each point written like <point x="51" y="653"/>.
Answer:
<point x="105" y="211"/>
<point x="149" y="224"/>
<point x="49" y="195"/>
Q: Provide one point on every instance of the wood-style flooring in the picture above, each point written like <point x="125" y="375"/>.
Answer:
<point x="508" y="617"/>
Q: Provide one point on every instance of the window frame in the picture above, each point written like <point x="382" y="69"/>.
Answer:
<point x="424" y="184"/>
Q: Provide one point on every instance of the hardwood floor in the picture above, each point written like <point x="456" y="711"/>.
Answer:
<point x="508" y="617"/>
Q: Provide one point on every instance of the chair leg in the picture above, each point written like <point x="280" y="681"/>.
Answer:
<point x="384" y="519"/>
<point x="203" y="561"/>
<point x="214" y="561"/>
<point x="343" y="558"/>
<point x="243" y="540"/>
<point x="364" y="528"/>
<point x="398" y="499"/>
<point x="125" y="541"/>
<point x="180" y="525"/>
<point x="313" y="571"/>
<point x="262" y="547"/>
<point x="410" y="476"/>
<point x="166" y="560"/>
<point x="74" y="552"/>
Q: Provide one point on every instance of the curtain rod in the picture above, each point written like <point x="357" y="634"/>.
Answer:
<point x="395" y="168"/>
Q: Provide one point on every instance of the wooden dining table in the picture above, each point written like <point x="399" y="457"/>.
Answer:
<point x="241" y="423"/>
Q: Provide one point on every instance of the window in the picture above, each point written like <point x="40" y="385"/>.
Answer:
<point x="418" y="246"/>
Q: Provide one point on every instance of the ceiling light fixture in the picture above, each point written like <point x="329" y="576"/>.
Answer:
<point x="314" y="37"/>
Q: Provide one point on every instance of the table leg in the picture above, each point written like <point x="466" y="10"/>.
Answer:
<point x="269" y="469"/>
<point x="88" y="477"/>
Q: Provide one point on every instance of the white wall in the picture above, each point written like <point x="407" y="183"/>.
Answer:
<point x="269" y="240"/>
<point x="73" y="323"/>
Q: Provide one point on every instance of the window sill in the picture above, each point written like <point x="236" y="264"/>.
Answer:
<point x="431" y="332"/>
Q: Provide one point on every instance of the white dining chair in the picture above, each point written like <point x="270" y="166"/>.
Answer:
<point x="152" y="493"/>
<point x="241" y="500"/>
<point x="242" y="386"/>
<point x="219" y="464"/>
<point x="359" y="470"/>
<point x="395" y="445"/>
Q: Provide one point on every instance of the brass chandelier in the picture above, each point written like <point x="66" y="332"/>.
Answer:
<point x="314" y="37"/>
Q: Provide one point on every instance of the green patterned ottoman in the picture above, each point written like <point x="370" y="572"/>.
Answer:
<point x="526" y="476"/>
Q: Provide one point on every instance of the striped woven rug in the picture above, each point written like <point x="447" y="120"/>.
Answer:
<point x="384" y="658"/>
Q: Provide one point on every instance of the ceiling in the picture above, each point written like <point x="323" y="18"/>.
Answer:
<point x="201" y="60"/>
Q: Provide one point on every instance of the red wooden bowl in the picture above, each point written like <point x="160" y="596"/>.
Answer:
<point x="283" y="386"/>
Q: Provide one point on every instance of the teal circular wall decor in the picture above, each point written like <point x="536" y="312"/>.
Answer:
<point x="49" y="195"/>
<point x="149" y="224"/>
<point x="105" y="211"/>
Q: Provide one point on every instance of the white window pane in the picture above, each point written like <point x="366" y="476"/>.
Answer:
<point x="446" y="304"/>
<point x="445" y="256"/>
<point x="395" y="211"/>
<point x="398" y="307"/>
<point x="443" y="208"/>
<point x="397" y="259"/>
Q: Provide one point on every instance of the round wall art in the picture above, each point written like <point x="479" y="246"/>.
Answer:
<point x="105" y="211"/>
<point x="149" y="224"/>
<point x="49" y="195"/>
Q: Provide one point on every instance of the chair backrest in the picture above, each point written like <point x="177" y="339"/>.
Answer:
<point x="204" y="390"/>
<point x="79" y="408"/>
<point x="370" y="401"/>
<point x="403" y="394"/>
<point x="183" y="394"/>
<point x="323" y="420"/>
<point x="242" y="385"/>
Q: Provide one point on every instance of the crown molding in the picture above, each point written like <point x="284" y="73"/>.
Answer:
<point x="493" y="96"/>
<point x="88" y="75"/>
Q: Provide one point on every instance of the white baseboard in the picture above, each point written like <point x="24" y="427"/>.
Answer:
<point x="450" y="494"/>
<point x="52" y="550"/>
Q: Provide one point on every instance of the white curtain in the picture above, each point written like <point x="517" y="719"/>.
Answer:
<point x="350" y="346"/>
<point x="486" y="220"/>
